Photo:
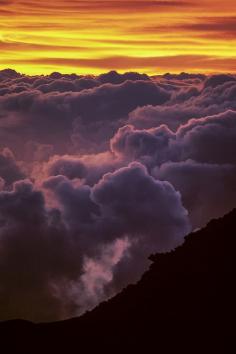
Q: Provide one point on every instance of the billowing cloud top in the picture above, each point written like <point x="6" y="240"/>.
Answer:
<point x="97" y="173"/>
<point x="96" y="35"/>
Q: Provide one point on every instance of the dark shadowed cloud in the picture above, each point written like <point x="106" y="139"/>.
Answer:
<point x="97" y="173"/>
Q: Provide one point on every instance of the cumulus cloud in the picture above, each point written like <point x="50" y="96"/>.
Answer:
<point x="9" y="169"/>
<point x="207" y="97"/>
<point x="97" y="173"/>
<point x="80" y="243"/>
<point x="209" y="139"/>
<point x="202" y="147"/>
<point x="148" y="146"/>
<point x="90" y="116"/>
<point x="207" y="190"/>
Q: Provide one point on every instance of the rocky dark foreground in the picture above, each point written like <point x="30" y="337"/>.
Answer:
<point x="185" y="303"/>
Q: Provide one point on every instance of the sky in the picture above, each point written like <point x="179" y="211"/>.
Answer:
<point x="99" y="171"/>
<point x="93" y="36"/>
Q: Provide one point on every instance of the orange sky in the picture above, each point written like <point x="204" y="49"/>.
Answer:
<point x="93" y="36"/>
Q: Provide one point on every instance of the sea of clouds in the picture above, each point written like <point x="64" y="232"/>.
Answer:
<point x="97" y="173"/>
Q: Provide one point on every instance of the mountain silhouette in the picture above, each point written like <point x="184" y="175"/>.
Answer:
<point x="185" y="303"/>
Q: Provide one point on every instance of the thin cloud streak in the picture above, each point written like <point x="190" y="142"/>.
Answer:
<point x="192" y="63"/>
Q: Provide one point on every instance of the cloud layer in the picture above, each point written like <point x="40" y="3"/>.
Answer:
<point x="97" y="173"/>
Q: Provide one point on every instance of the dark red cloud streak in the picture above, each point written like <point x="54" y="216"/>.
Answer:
<point x="179" y="62"/>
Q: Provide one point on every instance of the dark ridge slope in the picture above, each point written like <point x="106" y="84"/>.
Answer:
<point x="185" y="302"/>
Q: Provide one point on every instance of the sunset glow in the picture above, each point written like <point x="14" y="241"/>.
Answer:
<point x="95" y="36"/>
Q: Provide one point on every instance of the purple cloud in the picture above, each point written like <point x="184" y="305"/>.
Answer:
<point x="97" y="173"/>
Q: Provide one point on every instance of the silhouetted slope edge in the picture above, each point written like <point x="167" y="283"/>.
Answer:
<point x="186" y="299"/>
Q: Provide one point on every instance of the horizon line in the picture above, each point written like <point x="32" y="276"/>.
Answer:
<point x="120" y="72"/>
